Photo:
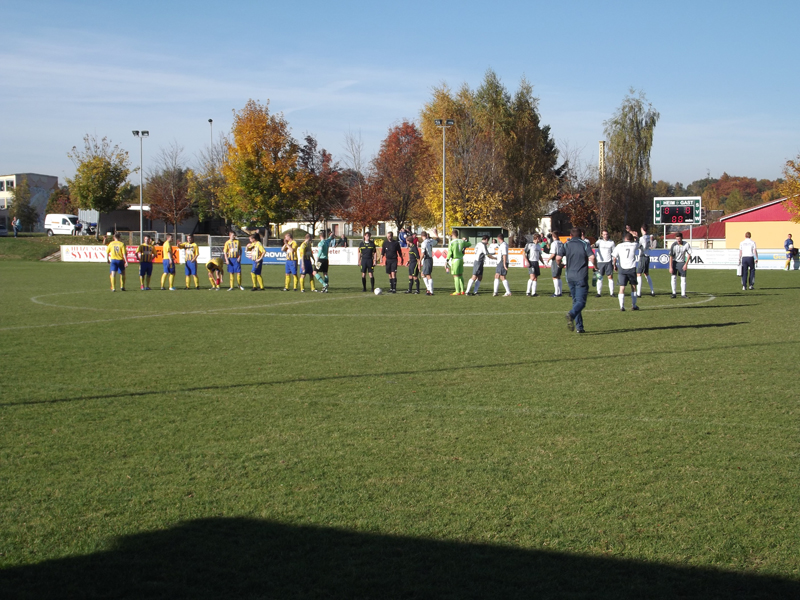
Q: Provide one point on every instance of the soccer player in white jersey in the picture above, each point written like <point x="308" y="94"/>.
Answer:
<point x="643" y="266"/>
<point x="533" y="252"/>
<point x="605" y="249"/>
<point x="502" y="267"/>
<point x="748" y="258"/>
<point x="556" y="247"/>
<point x="624" y="257"/>
<point x="481" y="252"/>
<point x="426" y="254"/>
<point x="679" y="254"/>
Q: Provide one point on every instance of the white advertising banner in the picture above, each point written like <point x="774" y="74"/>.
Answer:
<point x="83" y="254"/>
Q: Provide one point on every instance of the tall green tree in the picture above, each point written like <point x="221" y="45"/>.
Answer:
<point x="628" y="182"/>
<point x="21" y="205"/>
<point x="60" y="202"/>
<point x="100" y="173"/>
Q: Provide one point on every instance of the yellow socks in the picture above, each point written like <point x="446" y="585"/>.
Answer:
<point x="253" y="277"/>
<point x="188" y="280"/>
<point x="196" y="281"/>
<point x="286" y="281"/>
<point x="295" y="278"/>
<point x="260" y="281"/>
<point x="239" y="279"/>
<point x="163" y="279"/>
<point x="112" y="281"/>
<point x="122" y="281"/>
<point x="171" y="280"/>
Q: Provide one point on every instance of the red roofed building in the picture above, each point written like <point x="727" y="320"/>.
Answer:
<point x="767" y="223"/>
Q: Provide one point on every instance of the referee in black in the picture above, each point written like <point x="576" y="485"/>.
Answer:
<point x="392" y="253"/>
<point x="366" y="257"/>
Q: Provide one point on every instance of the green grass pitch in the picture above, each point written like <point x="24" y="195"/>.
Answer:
<point x="206" y="444"/>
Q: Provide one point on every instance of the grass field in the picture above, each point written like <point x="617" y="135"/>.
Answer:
<point x="236" y="444"/>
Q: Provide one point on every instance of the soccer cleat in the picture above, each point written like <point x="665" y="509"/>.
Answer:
<point x="254" y="289"/>
<point x="581" y="331"/>
<point x="141" y="287"/>
<point x="113" y="290"/>
<point x="122" y="290"/>
<point x="162" y="289"/>
<point x="751" y="287"/>
<point x="407" y="291"/>
<point x="635" y="308"/>
<point x="495" y="294"/>
<point x="454" y="293"/>
<point x="171" y="289"/>
<point x="302" y="291"/>
<point x="599" y="295"/>
<point x="241" y="288"/>
<point x="570" y="322"/>
<point x="743" y="288"/>
<point x="673" y="296"/>
<point x="622" y="309"/>
<point x="555" y="295"/>
<point x="534" y="295"/>
<point x="416" y="291"/>
<point x="285" y="289"/>
<point x="147" y="289"/>
<point x="684" y="296"/>
<point x="428" y="293"/>
<point x="527" y="293"/>
<point x="507" y="294"/>
<point x="653" y="294"/>
<point x="230" y="289"/>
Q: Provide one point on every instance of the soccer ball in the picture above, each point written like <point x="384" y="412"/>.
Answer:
<point x="378" y="291"/>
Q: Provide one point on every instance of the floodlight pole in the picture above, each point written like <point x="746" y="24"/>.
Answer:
<point x="211" y="126"/>
<point x="443" y="124"/>
<point x="141" y="135"/>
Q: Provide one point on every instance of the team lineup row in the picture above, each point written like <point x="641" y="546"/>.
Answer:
<point x="630" y="259"/>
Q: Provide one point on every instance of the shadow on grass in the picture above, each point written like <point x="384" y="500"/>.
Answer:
<point x="246" y="558"/>
<point x="666" y="328"/>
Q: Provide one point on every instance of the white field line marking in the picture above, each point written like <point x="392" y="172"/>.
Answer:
<point x="234" y="310"/>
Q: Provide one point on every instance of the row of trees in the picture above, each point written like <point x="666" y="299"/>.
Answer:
<point x="503" y="167"/>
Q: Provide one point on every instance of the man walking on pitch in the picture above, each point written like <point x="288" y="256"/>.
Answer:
<point x="481" y="252"/>
<point x="233" y="258"/>
<point x="579" y="256"/>
<point x="748" y="259"/>
<point x="679" y="254"/>
<point x="455" y="256"/>
<point x="169" y="264"/>
<point x="392" y="253"/>
<point x="257" y="253"/>
<point x="426" y="252"/>
<point x="605" y="268"/>
<point x="533" y="254"/>
<point x="624" y="257"/>
<point x="791" y="251"/>
<point x="321" y="265"/>
<point x="117" y="257"/>
<point x="643" y="265"/>
<point x="367" y="252"/>
<point x="501" y="270"/>
<point x="144" y="254"/>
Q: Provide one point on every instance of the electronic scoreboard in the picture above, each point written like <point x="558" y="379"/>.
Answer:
<point x="677" y="211"/>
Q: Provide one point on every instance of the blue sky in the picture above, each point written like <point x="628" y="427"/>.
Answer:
<point x="722" y="74"/>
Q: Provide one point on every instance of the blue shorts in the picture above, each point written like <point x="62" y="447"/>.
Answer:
<point x="169" y="267"/>
<point x="257" y="268"/>
<point x="291" y="267"/>
<point x="117" y="266"/>
<point x="191" y="267"/>
<point x="145" y="268"/>
<point x="307" y="267"/>
<point x="234" y="266"/>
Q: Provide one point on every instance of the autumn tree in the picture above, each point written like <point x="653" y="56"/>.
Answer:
<point x="629" y="134"/>
<point x="60" y="202"/>
<point x="260" y="170"/>
<point x="362" y="207"/>
<point x="100" y="173"/>
<point x="579" y="190"/>
<point x="167" y="188"/>
<point x="321" y="190"/>
<point x="206" y="182"/>
<point x="790" y="187"/>
<point x="401" y="171"/>
<point x="21" y="205"/>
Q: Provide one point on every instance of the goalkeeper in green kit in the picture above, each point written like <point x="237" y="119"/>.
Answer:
<point x="455" y="256"/>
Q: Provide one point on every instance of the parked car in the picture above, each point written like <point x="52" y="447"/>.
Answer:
<point x="55" y="224"/>
<point x="3" y="230"/>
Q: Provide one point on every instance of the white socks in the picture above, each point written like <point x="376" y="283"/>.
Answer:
<point x="469" y="285"/>
<point x="528" y="289"/>
<point x="633" y="296"/>
<point x="611" y="287"/>
<point x="533" y="287"/>
<point x="599" y="286"/>
<point x="673" y="282"/>
<point x="639" y="284"/>
<point x="683" y="286"/>
<point x="557" y="286"/>
<point x="477" y="285"/>
<point x="429" y="284"/>
<point x="621" y="298"/>
<point x="496" y="285"/>
<point x="505" y="285"/>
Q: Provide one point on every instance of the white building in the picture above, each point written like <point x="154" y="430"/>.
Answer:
<point x="41" y="186"/>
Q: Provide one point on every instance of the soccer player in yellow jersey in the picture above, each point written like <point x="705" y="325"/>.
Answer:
<point x="169" y="264"/>
<point x="190" y="264"/>
<point x="256" y="252"/>
<point x="117" y="257"/>
<point x="305" y="254"/>
<point x="290" y="248"/>
<point x="214" y="267"/>
<point x="144" y="254"/>
<point x="233" y="258"/>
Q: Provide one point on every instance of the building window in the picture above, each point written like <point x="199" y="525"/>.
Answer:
<point x="381" y="228"/>
<point x="9" y="184"/>
<point x="2" y="186"/>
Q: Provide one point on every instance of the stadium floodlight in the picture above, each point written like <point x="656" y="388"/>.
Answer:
<point x="211" y="126"/>
<point x="443" y="124"/>
<point x="141" y="135"/>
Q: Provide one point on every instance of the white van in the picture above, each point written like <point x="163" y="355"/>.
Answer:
<point x="60" y="224"/>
